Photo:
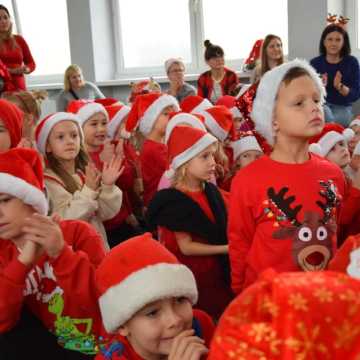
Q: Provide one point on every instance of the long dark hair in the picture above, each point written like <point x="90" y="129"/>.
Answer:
<point x="345" y="50"/>
<point x="9" y="34"/>
<point x="264" y="65"/>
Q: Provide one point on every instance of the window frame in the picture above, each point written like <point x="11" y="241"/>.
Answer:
<point x="353" y="29"/>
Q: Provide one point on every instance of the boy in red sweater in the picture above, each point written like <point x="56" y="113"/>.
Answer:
<point x="284" y="207"/>
<point x="46" y="265"/>
<point x="151" y="113"/>
<point x="146" y="299"/>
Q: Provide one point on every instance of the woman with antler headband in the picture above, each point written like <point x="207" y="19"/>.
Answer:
<point x="339" y="71"/>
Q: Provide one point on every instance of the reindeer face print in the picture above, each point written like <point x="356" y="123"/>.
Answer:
<point x="312" y="238"/>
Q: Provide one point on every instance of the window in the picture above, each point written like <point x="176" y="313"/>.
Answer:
<point x="179" y="28"/>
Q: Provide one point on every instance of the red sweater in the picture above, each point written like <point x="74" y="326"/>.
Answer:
<point x="125" y="182"/>
<point x="120" y="348"/>
<point x="14" y="57"/>
<point x="154" y="163"/>
<point x="61" y="292"/>
<point x="260" y="231"/>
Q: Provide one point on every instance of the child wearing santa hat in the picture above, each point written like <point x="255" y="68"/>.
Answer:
<point x="230" y="102"/>
<point x="76" y="188"/>
<point x="292" y="316"/>
<point x="194" y="104"/>
<point x="192" y="216"/>
<point x="151" y="113"/>
<point x="147" y="304"/>
<point x="355" y="126"/>
<point x="284" y="207"/>
<point x="46" y="265"/>
<point x="11" y="125"/>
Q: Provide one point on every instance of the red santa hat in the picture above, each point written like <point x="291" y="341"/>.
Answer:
<point x="194" y="104"/>
<point x="44" y="127"/>
<point x="185" y="143"/>
<point x="108" y="101"/>
<point x="355" y="122"/>
<point x="229" y="102"/>
<point x="219" y="121"/>
<point x="143" y="87"/>
<point x="21" y="176"/>
<point x="193" y="120"/>
<point x="138" y="272"/>
<point x="245" y="142"/>
<point x="267" y="91"/>
<point x="85" y="109"/>
<point x="117" y="114"/>
<point x="12" y="118"/>
<point x="326" y="140"/>
<point x="146" y="109"/>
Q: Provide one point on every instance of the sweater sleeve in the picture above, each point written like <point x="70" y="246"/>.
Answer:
<point x="98" y="94"/>
<point x="200" y="85"/>
<point x="353" y="81"/>
<point x="241" y="230"/>
<point x="80" y="205"/>
<point x="62" y="102"/>
<point x="27" y="57"/>
<point x="12" y="285"/>
<point x="110" y="200"/>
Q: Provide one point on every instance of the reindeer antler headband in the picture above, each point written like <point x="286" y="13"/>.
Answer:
<point x="337" y="20"/>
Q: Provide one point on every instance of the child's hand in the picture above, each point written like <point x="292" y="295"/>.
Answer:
<point x="30" y="253"/>
<point x="186" y="346"/>
<point x="119" y="149"/>
<point x="112" y="170"/>
<point x="25" y="143"/>
<point x="92" y="177"/>
<point x="45" y="232"/>
<point x="108" y="151"/>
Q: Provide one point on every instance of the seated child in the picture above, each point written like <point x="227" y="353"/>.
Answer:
<point x="292" y="316"/>
<point x="11" y="125"/>
<point x="284" y="207"/>
<point x="151" y="114"/>
<point x="76" y="188"/>
<point x="46" y="265"/>
<point x="195" y="104"/>
<point x="355" y="126"/>
<point x="192" y="216"/>
<point x="230" y="102"/>
<point x="146" y="299"/>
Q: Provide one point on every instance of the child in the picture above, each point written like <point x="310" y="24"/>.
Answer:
<point x="11" y="125"/>
<point x="355" y="126"/>
<point x="76" y="188"/>
<point x="194" y="104"/>
<point x="46" y="265"/>
<point x="192" y="216"/>
<point x="230" y="102"/>
<point x="284" y="207"/>
<point x="151" y="113"/>
<point x="143" y="87"/>
<point x="292" y="316"/>
<point x="219" y="80"/>
<point x="146" y="299"/>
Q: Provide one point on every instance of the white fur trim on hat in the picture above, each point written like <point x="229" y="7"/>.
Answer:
<point x="120" y="302"/>
<point x="205" y="141"/>
<point x="50" y="123"/>
<point x="355" y="122"/>
<point x="236" y="112"/>
<point x="29" y="194"/>
<point x="213" y="126"/>
<point x="328" y="141"/>
<point x="245" y="144"/>
<point x="90" y="109"/>
<point x="357" y="149"/>
<point x="263" y="107"/>
<point x="151" y="114"/>
<point x="116" y="121"/>
<point x="205" y="104"/>
<point x="182" y="118"/>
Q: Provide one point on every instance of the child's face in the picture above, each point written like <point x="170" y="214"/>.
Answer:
<point x="247" y="158"/>
<point x="162" y="120"/>
<point x="95" y="130"/>
<point x="237" y="123"/>
<point x="352" y="143"/>
<point x="152" y="330"/>
<point x="298" y="113"/>
<point x="64" y="140"/>
<point x="13" y="212"/>
<point x="5" y="140"/>
<point x="202" y="166"/>
<point x="339" y="154"/>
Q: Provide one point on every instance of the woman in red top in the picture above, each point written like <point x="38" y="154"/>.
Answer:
<point x="219" y="80"/>
<point x="14" y="52"/>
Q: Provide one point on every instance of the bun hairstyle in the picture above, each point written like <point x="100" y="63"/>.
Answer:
<point x="212" y="51"/>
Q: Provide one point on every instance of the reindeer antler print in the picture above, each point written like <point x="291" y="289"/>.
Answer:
<point x="283" y="205"/>
<point x="328" y="192"/>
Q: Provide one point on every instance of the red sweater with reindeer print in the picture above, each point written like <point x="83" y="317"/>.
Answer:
<point x="283" y="216"/>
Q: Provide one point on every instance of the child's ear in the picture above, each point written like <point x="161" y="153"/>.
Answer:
<point x="124" y="331"/>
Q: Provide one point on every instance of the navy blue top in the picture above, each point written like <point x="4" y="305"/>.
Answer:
<point x="349" y="68"/>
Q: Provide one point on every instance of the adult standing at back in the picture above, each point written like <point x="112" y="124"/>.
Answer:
<point x="340" y="73"/>
<point x="75" y="88"/>
<point x="175" y="71"/>
<point x="219" y="80"/>
<point x="14" y="52"/>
